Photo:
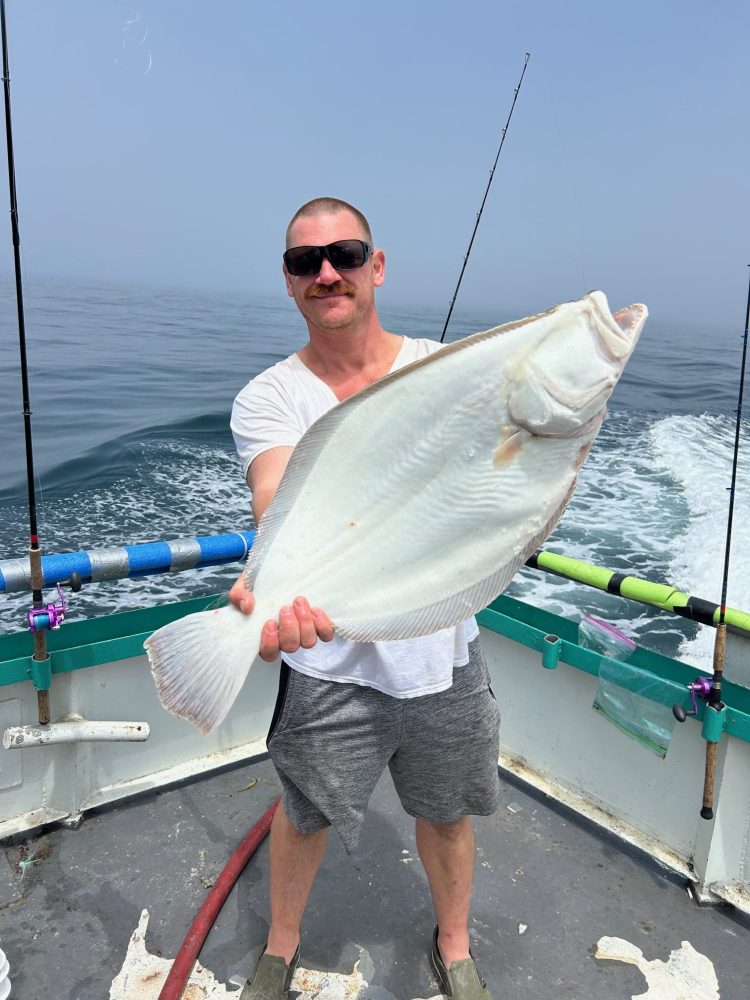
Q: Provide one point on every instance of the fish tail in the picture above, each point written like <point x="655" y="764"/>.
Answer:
<point x="200" y="662"/>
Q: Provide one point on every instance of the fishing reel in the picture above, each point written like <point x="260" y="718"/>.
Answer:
<point x="700" y="688"/>
<point x="51" y="616"/>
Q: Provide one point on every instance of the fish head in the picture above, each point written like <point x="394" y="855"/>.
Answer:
<point x="560" y="385"/>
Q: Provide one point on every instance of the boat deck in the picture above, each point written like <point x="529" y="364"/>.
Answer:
<point x="548" y="887"/>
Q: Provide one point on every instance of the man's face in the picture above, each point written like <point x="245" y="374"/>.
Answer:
<point x="333" y="300"/>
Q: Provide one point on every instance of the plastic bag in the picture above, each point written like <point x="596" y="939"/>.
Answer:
<point x="601" y="637"/>
<point x="622" y="698"/>
<point x="622" y="695"/>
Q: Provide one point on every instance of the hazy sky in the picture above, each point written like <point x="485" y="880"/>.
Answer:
<point x="178" y="158"/>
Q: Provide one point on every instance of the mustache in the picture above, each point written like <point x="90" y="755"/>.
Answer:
<point x="322" y="291"/>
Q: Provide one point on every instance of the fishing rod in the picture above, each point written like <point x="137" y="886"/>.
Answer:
<point x="41" y="617"/>
<point x="715" y="714"/>
<point x="487" y="191"/>
<point x="715" y="705"/>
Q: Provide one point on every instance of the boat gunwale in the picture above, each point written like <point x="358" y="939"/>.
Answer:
<point x="120" y="636"/>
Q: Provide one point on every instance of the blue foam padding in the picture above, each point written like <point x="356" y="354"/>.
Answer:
<point x="221" y="548"/>
<point x="148" y="557"/>
<point x="59" y="567"/>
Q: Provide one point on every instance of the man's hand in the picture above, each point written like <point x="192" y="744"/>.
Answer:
<point x="298" y="624"/>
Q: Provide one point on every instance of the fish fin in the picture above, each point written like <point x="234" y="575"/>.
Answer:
<point x="200" y="662"/>
<point x="453" y="609"/>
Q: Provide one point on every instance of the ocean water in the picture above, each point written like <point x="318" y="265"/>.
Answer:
<point x="131" y="390"/>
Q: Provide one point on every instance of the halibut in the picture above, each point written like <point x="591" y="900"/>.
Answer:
<point x="411" y="505"/>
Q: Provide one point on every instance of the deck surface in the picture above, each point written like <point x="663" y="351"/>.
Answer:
<point x="548" y="888"/>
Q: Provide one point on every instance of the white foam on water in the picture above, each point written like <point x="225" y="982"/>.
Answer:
<point x="696" y="454"/>
<point x="652" y="501"/>
<point x="177" y="489"/>
<point x="625" y="516"/>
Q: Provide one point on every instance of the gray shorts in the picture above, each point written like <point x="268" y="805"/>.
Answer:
<point x="330" y="742"/>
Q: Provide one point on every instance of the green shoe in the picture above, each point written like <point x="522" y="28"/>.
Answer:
<point x="272" y="978"/>
<point x="462" y="981"/>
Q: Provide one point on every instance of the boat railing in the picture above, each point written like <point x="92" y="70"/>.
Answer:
<point x="179" y="554"/>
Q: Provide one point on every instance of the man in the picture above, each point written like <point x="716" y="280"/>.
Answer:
<point x="345" y="711"/>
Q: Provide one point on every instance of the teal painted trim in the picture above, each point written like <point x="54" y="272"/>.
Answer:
<point x="714" y="721"/>
<point x="529" y="626"/>
<point x="120" y="636"/>
<point x="92" y="642"/>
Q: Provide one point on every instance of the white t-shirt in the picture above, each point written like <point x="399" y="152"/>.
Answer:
<point x="275" y="409"/>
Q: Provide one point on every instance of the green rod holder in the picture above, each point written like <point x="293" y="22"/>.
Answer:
<point x="713" y="723"/>
<point x="41" y="673"/>
<point x="551" y="647"/>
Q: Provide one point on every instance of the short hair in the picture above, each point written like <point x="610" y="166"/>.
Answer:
<point x="329" y="206"/>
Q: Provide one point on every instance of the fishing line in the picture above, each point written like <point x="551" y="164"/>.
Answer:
<point x="43" y="522"/>
<point x="132" y="45"/>
<point x="487" y="191"/>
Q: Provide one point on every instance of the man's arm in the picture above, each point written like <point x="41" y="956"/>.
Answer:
<point x="298" y="624"/>
<point x="264" y="476"/>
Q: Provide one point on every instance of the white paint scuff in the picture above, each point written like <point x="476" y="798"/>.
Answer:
<point x="686" y="975"/>
<point x="142" y="976"/>
<point x="315" y="985"/>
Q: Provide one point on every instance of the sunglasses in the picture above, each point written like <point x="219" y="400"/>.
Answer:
<point x="343" y="255"/>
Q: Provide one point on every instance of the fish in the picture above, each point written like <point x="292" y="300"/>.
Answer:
<point x="410" y="506"/>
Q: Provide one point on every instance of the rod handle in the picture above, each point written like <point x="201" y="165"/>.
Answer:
<point x="42" y="700"/>
<point x="720" y="645"/>
<point x="707" y="812"/>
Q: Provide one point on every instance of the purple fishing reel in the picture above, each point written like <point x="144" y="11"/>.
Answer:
<point x="48" y="616"/>
<point x="700" y="688"/>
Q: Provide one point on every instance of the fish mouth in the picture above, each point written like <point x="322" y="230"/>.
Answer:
<point x="617" y="333"/>
<point x="631" y="318"/>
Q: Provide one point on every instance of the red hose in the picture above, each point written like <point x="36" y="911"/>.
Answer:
<point x="189" y="950"/>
